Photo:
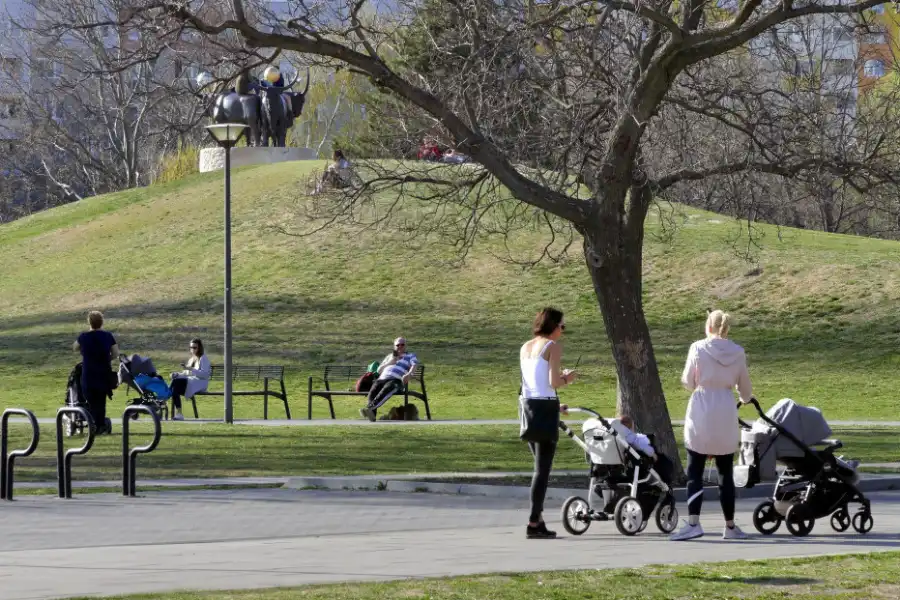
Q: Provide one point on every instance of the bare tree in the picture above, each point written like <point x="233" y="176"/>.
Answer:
<point x="568" y="108"/>
<point x="98" y="105"/>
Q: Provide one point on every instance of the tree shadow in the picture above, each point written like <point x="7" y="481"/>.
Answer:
<point x="773" y="581"/>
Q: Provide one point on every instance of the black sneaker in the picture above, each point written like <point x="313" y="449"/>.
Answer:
<point x="539" y="533"/>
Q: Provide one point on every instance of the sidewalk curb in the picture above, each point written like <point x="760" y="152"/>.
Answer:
<point x="764" y="490"/>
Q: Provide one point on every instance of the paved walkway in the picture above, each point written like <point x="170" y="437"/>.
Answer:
<point x="106" y="544"/>
<point x="320" y="422"/>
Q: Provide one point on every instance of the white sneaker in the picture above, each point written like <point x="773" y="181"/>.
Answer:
<point x="687" y="532"/>
<point x="178" y="417"/>
<point x="733" y="533"/>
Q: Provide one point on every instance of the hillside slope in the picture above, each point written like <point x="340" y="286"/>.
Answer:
<point x="816" y="312"/>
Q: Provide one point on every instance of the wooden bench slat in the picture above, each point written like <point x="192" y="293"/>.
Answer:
<point x="263" y="373"/>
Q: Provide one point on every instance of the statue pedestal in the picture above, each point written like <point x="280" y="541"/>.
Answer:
<point x="213" y="159"/>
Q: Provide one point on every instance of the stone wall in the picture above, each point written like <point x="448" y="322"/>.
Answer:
<point x="213" y="159"/>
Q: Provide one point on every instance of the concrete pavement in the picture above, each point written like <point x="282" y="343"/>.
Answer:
<point x="106" y="544"/>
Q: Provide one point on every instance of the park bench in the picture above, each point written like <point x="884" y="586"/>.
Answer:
<point x="340" y="380"/>
<point x="265" y="373"/>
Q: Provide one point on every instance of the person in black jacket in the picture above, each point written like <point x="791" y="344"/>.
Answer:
<point x="98" y="348"/>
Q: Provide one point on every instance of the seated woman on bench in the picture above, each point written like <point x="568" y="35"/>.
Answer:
<point x="194" y="378"/>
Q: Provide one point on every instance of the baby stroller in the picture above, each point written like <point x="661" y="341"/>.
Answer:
<point x="814" y="483"/>
<point x="139" y="374"/>
<point x="75" y="423"/>
<point x="623" y="480"/>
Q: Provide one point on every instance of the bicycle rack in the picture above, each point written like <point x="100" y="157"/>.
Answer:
<point x="8" y="459"/>
<point x="129" y="456"/>
<point x="64" y="462"/>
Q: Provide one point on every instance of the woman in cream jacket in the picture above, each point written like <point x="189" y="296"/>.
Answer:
<point x="715" y="367"/>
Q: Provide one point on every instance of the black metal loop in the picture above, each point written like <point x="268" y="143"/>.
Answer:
<point x="64" y="462"/>
<point x="129" y="456"/>
<point x="8" y="459"/>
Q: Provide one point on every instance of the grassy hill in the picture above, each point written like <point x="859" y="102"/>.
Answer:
<point x="816" y="312"/>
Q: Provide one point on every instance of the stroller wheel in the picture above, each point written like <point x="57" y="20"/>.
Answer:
<point x="68" y="425"/>
<point x="863" y="522"/>
<point x="576" y="515"/>
<point x="629" y="516"/>
<point x="667" y="516"/>
<point x="766" y="519"/>
<point x="796" y="524"/>
<point x="840" y="520"/>
<point x="108" y="423"/>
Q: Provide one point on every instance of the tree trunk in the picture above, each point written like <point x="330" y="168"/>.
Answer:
<point x="617" y="285"/>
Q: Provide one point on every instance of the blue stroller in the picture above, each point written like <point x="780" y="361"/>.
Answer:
<point x="139" y="374"/>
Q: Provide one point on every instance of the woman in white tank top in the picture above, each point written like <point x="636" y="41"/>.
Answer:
<point x="539" y="360"/>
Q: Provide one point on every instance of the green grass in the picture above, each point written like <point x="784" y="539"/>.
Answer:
<point x="818" y="318"/>
<point x="256" y="451"/>
<point x="854" y="577"/>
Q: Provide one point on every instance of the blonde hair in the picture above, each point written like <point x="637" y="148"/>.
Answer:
<point x="718" y="322"/>
<point x="95" y="319"/>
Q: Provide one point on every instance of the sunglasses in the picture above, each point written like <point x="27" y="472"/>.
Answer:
<point x="194" y="347"/>
<point x="562" y="327"/>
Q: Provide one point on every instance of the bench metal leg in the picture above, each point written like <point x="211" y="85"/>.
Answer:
<point x="309" y="407"/>
<point x="287" y="408"/>
<point x="425" y="399"/>
<point x="194" y="403"/>
<point x="266" y="398"/>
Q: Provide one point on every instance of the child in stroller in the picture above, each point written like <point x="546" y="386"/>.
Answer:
<point x="138" y="373"/>
<point x="814" y="483"/>
<point x="624" y="478"/>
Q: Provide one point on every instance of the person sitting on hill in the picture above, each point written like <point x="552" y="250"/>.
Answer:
<point x="393" y="374"/>
<point x="338" y="174"/>
<point x="430" y="151"/>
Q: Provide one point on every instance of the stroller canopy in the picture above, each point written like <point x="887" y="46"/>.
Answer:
<point x="135" y="365"/>
<point x="805" y="422"/>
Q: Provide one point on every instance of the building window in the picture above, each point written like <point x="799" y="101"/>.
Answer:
<point x="840" y="34"/>
<point x="874" y="36"/>
<point x="874" y="68"/>
<point x="841" y="67"/>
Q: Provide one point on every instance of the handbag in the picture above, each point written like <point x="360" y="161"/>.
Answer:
<point x="538" y="419"/>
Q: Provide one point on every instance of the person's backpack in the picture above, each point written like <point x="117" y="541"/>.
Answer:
<point x="364" y="383"/>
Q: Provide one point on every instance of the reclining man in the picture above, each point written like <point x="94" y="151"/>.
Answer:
<point x="393" y="374"/>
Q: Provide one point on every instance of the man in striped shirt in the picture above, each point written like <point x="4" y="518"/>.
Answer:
<point x="393" y="375"/>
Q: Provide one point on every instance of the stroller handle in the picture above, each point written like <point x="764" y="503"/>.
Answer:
<point x="581" y="409"/>
<point x="756" y="405"/>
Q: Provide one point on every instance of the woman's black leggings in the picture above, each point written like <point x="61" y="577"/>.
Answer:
<point x="179" y="386"/>
<point x="725" y="467"/>
<point x="543" y="461"/>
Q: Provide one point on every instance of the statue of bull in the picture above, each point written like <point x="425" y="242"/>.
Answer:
<point x="279" y="109"/>
<point x="236" y="106"/>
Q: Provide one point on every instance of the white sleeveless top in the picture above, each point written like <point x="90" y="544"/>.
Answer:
<point x="536" y="375"/>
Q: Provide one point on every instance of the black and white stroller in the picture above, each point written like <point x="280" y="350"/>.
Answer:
<point x="75" y="398"/>
<point x="814" y="482"/>
<point x="139" y="374"/>
<point x="624" y="486"/>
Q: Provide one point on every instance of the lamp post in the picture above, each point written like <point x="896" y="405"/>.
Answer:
<point x="226" y="136"/>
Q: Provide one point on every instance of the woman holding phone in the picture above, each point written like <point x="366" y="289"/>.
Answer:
<point x="539" y="408"/>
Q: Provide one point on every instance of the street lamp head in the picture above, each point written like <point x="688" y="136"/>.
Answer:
<point x="226" y="134"/>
